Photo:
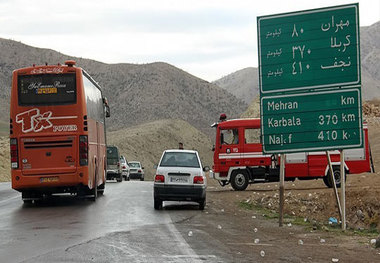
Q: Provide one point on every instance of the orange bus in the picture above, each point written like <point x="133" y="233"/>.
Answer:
<point x="57" y="132"/>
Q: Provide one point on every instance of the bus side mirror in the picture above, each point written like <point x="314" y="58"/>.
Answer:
<point x="108" y="112"/>
<point x="106" y="107"/>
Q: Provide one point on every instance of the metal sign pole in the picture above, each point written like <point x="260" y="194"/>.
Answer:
<point x="282" y="180"/>
<point x="343" y="186"/>
<point x="334" y="184"/>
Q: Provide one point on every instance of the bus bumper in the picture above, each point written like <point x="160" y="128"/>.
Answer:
<point x="45" y="182"/>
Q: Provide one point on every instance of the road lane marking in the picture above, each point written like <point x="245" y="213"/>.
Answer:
<point x="203" y="257"/>
<point x="185" y="248"/>
<point x="6" y="200"/>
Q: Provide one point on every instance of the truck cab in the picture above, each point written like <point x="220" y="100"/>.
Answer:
<point x="239" y="158"/>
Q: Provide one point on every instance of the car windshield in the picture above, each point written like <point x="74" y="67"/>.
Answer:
<point x="134" y="165"/>
<point x="180" y="159"/>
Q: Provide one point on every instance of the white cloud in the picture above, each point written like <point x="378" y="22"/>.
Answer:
<point x="206" y="38"/>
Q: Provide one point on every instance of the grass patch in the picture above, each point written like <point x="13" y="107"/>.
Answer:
<point x="259" y="209"/>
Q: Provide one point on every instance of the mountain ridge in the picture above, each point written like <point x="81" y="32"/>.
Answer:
<point x="137" y="93"/>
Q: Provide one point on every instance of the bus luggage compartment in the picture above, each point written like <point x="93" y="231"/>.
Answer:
<point x="48" y="155"/>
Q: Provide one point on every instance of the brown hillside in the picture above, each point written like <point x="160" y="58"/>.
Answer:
<point x="137" y="93"/>
<point x="146" y="142"/>
<point x="5" y="161"/>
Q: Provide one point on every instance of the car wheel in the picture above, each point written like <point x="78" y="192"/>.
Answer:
<point x="157" y="204"/>
<point x="142" y="179"/>
<point x="239" y="180"/>
<point x="202" y="204"/>
<point x="119" y="179"/>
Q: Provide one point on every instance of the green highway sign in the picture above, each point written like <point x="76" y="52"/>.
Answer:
<point x="310" y="49"/>
<point x="321" y="120"/>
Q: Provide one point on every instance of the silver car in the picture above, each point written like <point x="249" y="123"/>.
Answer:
<point x="136" y="171"/>
<point x="124" y="168"/>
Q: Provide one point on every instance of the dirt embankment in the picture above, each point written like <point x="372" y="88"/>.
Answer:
<point x="313" y="201"/>
<point x="5" y="166"/>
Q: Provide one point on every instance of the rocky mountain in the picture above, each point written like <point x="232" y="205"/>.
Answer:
<point x="146" y="142"/>
<point x="244" y="83"/>
<point x="136" y="93"/>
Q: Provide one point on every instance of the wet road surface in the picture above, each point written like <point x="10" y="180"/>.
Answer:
<point x="120" y="226"/>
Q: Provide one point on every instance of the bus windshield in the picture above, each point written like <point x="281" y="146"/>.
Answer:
<point x="46" y="89"/>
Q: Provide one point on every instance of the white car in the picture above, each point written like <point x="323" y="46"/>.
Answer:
<point x="124" y="168"/>
<point x="180" y="177"/>
<point x="136" y="171"/>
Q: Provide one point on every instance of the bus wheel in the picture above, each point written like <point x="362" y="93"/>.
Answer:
<point x="239" y="180"/>
<point x="101" y="189"/>
<point x="94" y="193"/>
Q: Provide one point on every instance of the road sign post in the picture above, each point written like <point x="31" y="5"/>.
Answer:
<point x="309" y="79"/>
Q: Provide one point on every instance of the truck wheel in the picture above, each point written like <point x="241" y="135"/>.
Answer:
<point x="328" y="179"/>
<point x="239" y="180"/>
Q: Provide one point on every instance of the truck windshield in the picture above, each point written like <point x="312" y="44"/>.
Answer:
<point x="46" y="89"/>
<point x="179" y="159"/>
<point x="112" y="155"/>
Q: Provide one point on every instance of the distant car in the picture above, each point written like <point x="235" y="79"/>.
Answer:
<point x="113" y="164"/>
<point x="180" y="177"/>
<point x="136" y="171"/>
<point x="124" y="168"/>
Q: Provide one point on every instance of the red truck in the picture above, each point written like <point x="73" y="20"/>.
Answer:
<point x="239" y="159"/>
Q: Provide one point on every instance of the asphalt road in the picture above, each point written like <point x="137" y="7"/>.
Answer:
<point x="120" y="226"/>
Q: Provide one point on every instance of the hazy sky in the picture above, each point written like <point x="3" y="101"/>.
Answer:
<point x="207" y="38"/>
